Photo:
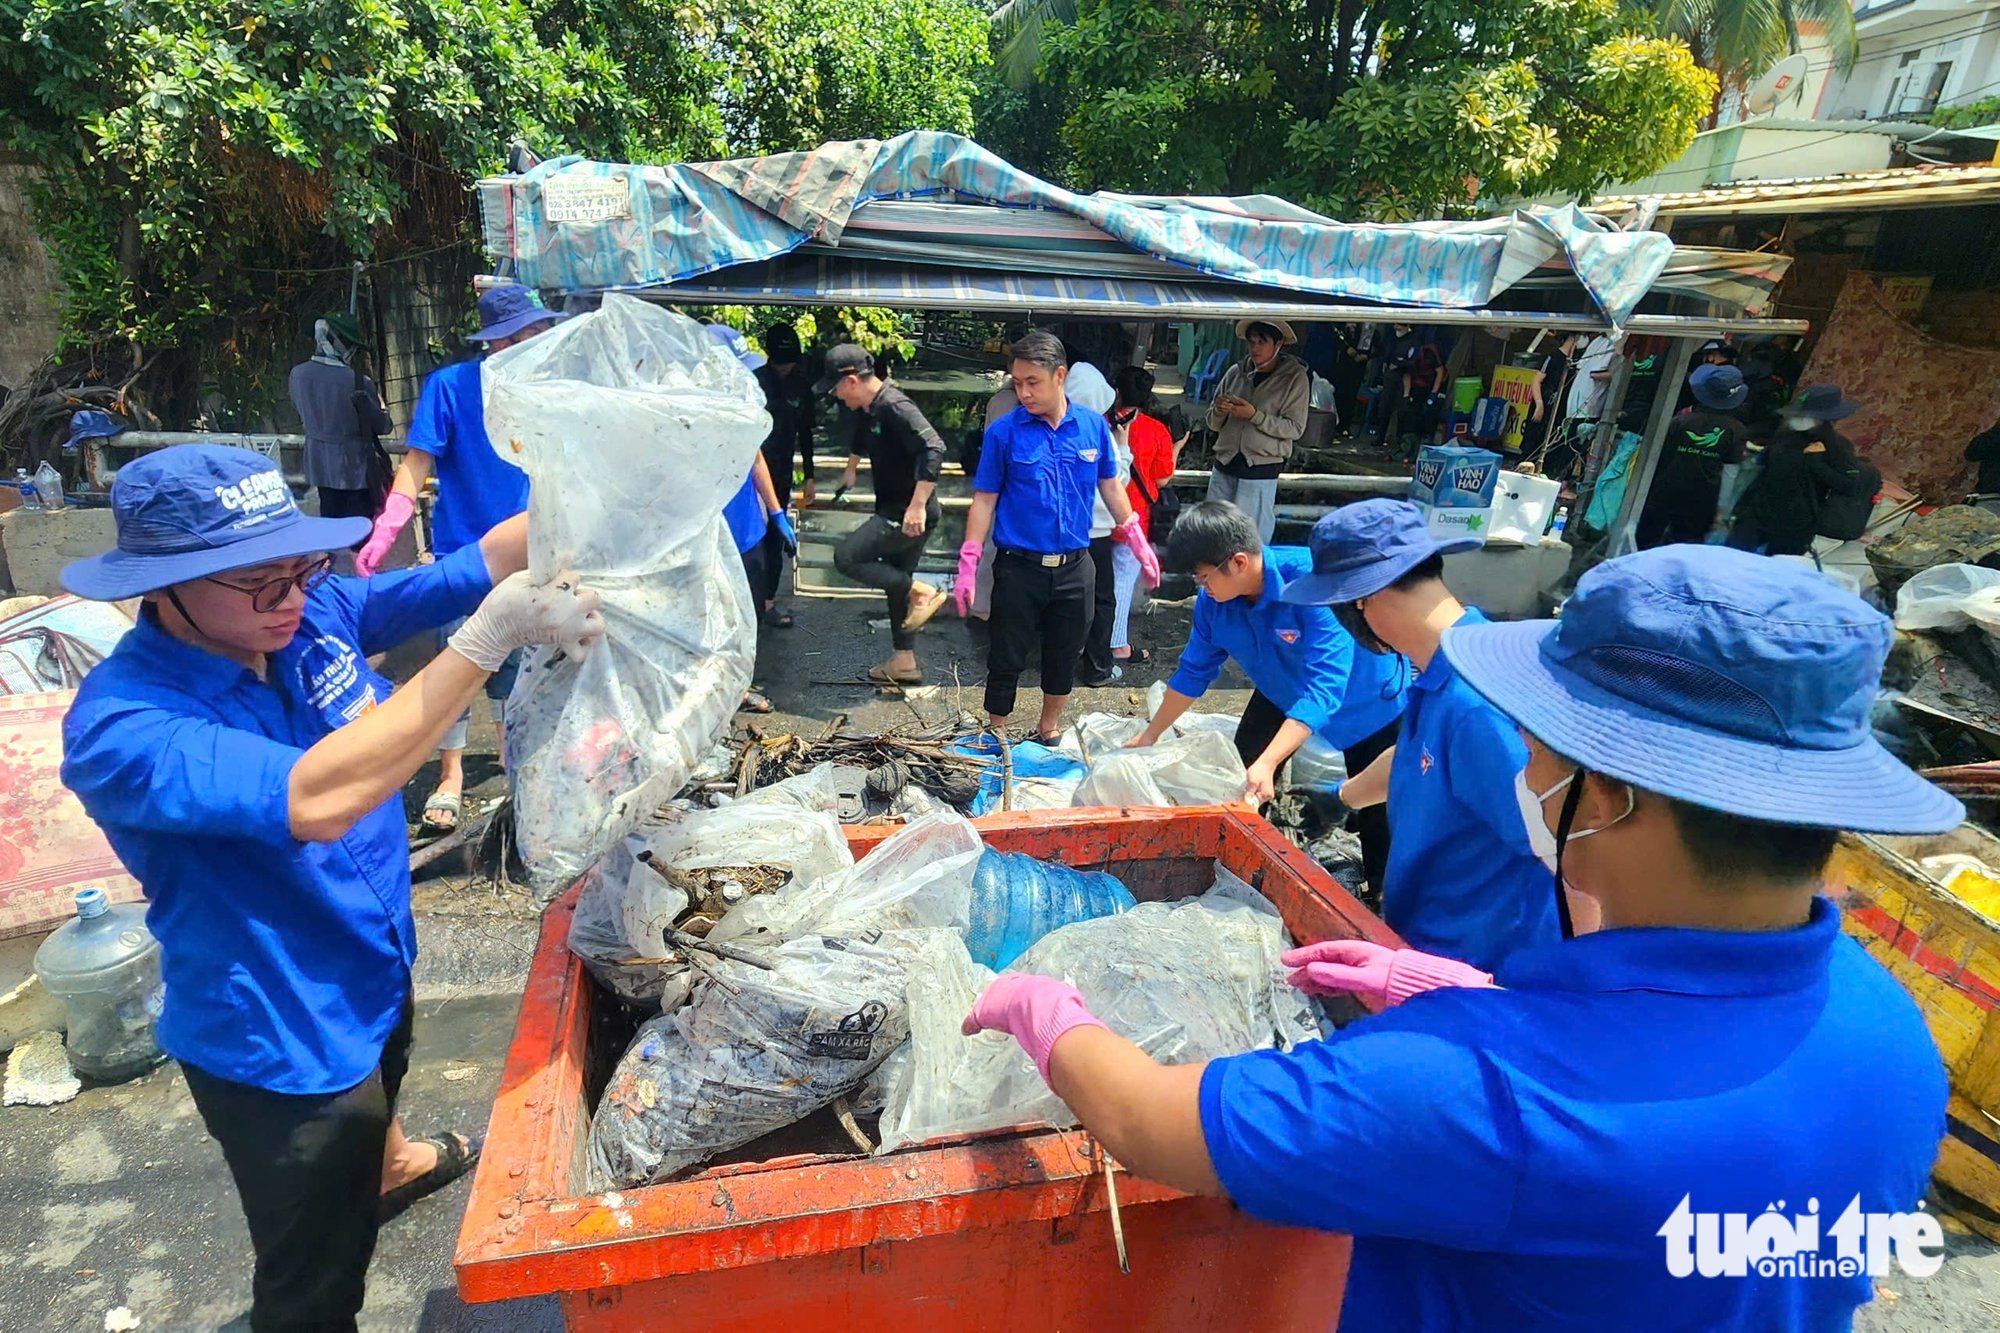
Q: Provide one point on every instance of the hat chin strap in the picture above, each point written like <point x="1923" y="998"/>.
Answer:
<point x="1571" y="799"/>
<point x="175" y="598"/>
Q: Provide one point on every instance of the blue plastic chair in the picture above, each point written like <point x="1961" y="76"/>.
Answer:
<point x="1202" y="382"/>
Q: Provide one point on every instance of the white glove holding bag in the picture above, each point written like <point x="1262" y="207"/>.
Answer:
<point x="518" y="614"/>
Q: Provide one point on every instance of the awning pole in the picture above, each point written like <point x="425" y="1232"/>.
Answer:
<point x="1605" y="433"/>
<point x="1625" y="528"/>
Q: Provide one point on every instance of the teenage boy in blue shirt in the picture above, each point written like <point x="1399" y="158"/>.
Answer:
<point x="1308" y="675"/>
<point x="247" y="765"/>
<point x="1541" y="1149"/>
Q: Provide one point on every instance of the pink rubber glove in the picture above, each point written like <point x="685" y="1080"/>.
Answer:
<point x="1133" y="534"/>
<point x="1034" y="1011"/>
<point x="962" y="587"/>
<point x="389" y="524"/>
<point x="1391" y="976"/>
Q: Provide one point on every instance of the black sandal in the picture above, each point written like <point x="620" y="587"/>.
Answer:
<point x="457" y="1155"/>
<point x="777" y="617"/>
<point x="1136" y="657"/>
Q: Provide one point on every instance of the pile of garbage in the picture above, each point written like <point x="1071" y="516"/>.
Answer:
<point x="782" y="977"/>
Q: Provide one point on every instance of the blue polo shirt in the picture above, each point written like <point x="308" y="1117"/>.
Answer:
<point x="1507" y="1159"/>
<point x="1298" y="657"/>
<point x="1462" y="880"/>
<point x="745" y="516"/>
<point x="287" y="963"/>
<point x="477" y="488"/>
<point x="1045" y="478"/>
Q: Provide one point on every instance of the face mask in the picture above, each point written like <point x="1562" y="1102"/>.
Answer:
<point x="1349" y="617"/>
<point x="1801" y="423"/>
<point x="1541" y="840"/>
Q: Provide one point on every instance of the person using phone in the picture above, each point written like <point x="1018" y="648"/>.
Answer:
<point x="1259" y="413"/>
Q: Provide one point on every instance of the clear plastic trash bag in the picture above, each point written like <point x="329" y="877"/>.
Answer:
<point x="1198" y="769"/>
<point x="1017" y="899"/>
<point x="634" y="428"/>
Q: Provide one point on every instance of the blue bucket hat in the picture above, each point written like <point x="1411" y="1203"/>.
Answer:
<point x="735" y="344"/>
<point x="194" y="510"/>
<point x="507" y="309"/>
<point x="1717" y="677"/>
<point x="1718" y="387"/>
<point x="1362" y="548"/>
<point x="92" y="425"/>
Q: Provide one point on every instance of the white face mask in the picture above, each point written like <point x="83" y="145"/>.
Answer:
<point x="1801" y="423"/>
<point x="1540" y="838"/>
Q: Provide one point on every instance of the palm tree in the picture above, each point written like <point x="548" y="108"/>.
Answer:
<point x="1016" y="28"/>
<point x="1740" y="39"/>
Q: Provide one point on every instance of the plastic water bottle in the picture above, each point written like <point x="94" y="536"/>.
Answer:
<point x="49" y="486"/>
<point x="26" y="485"/>
<point x="1559" y="522"/>
<point x="105" y="968"/>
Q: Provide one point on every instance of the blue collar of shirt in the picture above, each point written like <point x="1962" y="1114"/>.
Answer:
<point x="1068" y="418"/>
<point x="1683" y="962"/>
<point x="197" y="668"/>
<point x="1436" y="675"/>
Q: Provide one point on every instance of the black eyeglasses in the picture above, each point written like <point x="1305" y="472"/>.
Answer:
<point x="269" y="595"/>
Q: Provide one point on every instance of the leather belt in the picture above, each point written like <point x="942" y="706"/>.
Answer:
<point x="1047" y="560"/>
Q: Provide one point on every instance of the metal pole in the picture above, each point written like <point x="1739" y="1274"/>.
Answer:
<point x="1607" y="431"/>
<point x="1624" y="530"/>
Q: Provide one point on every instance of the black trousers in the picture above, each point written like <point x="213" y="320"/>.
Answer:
<point x="345" y="504"/>
<point x="1254" y="732"/>
<point x="1036" y="603"/>
<point x="879" y="555"/>
<point x="1097" y="661"/>
<point x="309" y="1172"/>
<point x="764" y="566"/>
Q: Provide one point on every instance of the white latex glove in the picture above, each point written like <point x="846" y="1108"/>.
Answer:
<point x="518" y="613"/>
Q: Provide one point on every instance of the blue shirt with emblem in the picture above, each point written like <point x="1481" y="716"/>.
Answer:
<point x="1507" y="1159"/>
<point x="1045" y="478"/>
<point x="477" y="488"/>
<point x="1462" y="879"/>
<point x="1298" y="657"/>
<point x="286" y="963"/>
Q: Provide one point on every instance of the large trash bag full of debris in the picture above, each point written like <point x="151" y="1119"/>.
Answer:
<point x="1017" y="899"/>
<point x="750" y="1052"/>
<point x="920" y="877"/>
<point x="634" y="428"/>
<point x="1188" y="981"/>
<point x="1198" y="769"/>
<point x="702" y="864"/>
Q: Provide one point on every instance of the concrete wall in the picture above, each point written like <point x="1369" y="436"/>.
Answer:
<point x="1903" y="45"/>
<point x="28" y="287"/>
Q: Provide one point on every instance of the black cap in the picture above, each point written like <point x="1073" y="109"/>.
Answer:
<point x="781" y="344"/>
<point x="842" y="361"/>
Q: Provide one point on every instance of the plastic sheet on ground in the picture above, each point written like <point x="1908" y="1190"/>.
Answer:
<point x="1043" y="778"/>
<point x="750" y="1052"/>
<point x="1201" y="769"/>
<point x="1188" y="981"/>
<point x="1017" y="899"/>
<point x="624" y="906"/>
<point x="634" y="428"/>
<point x="49" y="643"/>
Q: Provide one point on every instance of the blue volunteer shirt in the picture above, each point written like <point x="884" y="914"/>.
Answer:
<point x="287" y="963"/>
<point x="1045" y="478"/>
<point x="745" y="515"/>
<point x="1298" y="657"/>
<point x="1507" y="1159"/>
<point x="477" y="488"/>
<point x="1462" y="880"/>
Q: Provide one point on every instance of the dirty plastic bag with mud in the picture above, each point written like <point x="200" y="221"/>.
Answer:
<point x="786" y="831"/>
<point x="1198" y="769"/>
<point x="920" y="877"/>
<point x="1187" y="981"/>
<point x="634" y="428"/>
<point x="750" y="1052"/>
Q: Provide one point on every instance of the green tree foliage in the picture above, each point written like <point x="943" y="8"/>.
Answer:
<point x="1740" y="39"/>
<point x="1370" y="108"/>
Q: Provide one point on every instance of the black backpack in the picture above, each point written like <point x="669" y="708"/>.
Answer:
<point x="1162" y="510"/>
<point x="1844" y="511"/>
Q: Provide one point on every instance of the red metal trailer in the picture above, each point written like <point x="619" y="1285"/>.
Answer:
<point x="1000" y="1231"/>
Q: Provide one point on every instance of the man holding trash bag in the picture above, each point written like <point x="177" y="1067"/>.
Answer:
<point x="1563" y="1150"/>
<point x="1039" y="467"/>
<point x="1309" y="676"/>
<point x="247" y="765"/>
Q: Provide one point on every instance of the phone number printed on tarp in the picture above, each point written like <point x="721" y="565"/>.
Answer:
<point x="586" y="199"/>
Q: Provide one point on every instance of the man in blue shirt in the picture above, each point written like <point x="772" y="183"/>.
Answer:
<point x="477" y="489"/>
<point x="1462" y="879"/>
<point x="1575" y="1147"/>
<point x="247" y="765"/>
<point x="1307" y="674"/>
<point x="1038" y="469"/>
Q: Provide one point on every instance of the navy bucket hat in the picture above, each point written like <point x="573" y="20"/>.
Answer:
<point x="194" y="510"/>
<point x="1362" y="548"/>
<point x="1716" y="677"/>
<point x="507" y="309"/>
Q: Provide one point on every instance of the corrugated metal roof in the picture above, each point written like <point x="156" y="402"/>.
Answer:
<point x="1858" y="191"/>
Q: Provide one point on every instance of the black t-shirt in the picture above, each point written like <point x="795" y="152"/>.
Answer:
<point x="903" y="449"/>
<point x="789" y="400"/>
<point x="1699" y="443"/>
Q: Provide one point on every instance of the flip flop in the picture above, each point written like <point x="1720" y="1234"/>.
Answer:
<point x="777" y="617"/>
<point x="443" y="802"/>
<point x="920" y="614"/>
<point x="881" y="676"/>
<point x="457" y="1155"/>
<point x="1140" y="656"/>
<point x="754" y="702"/>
